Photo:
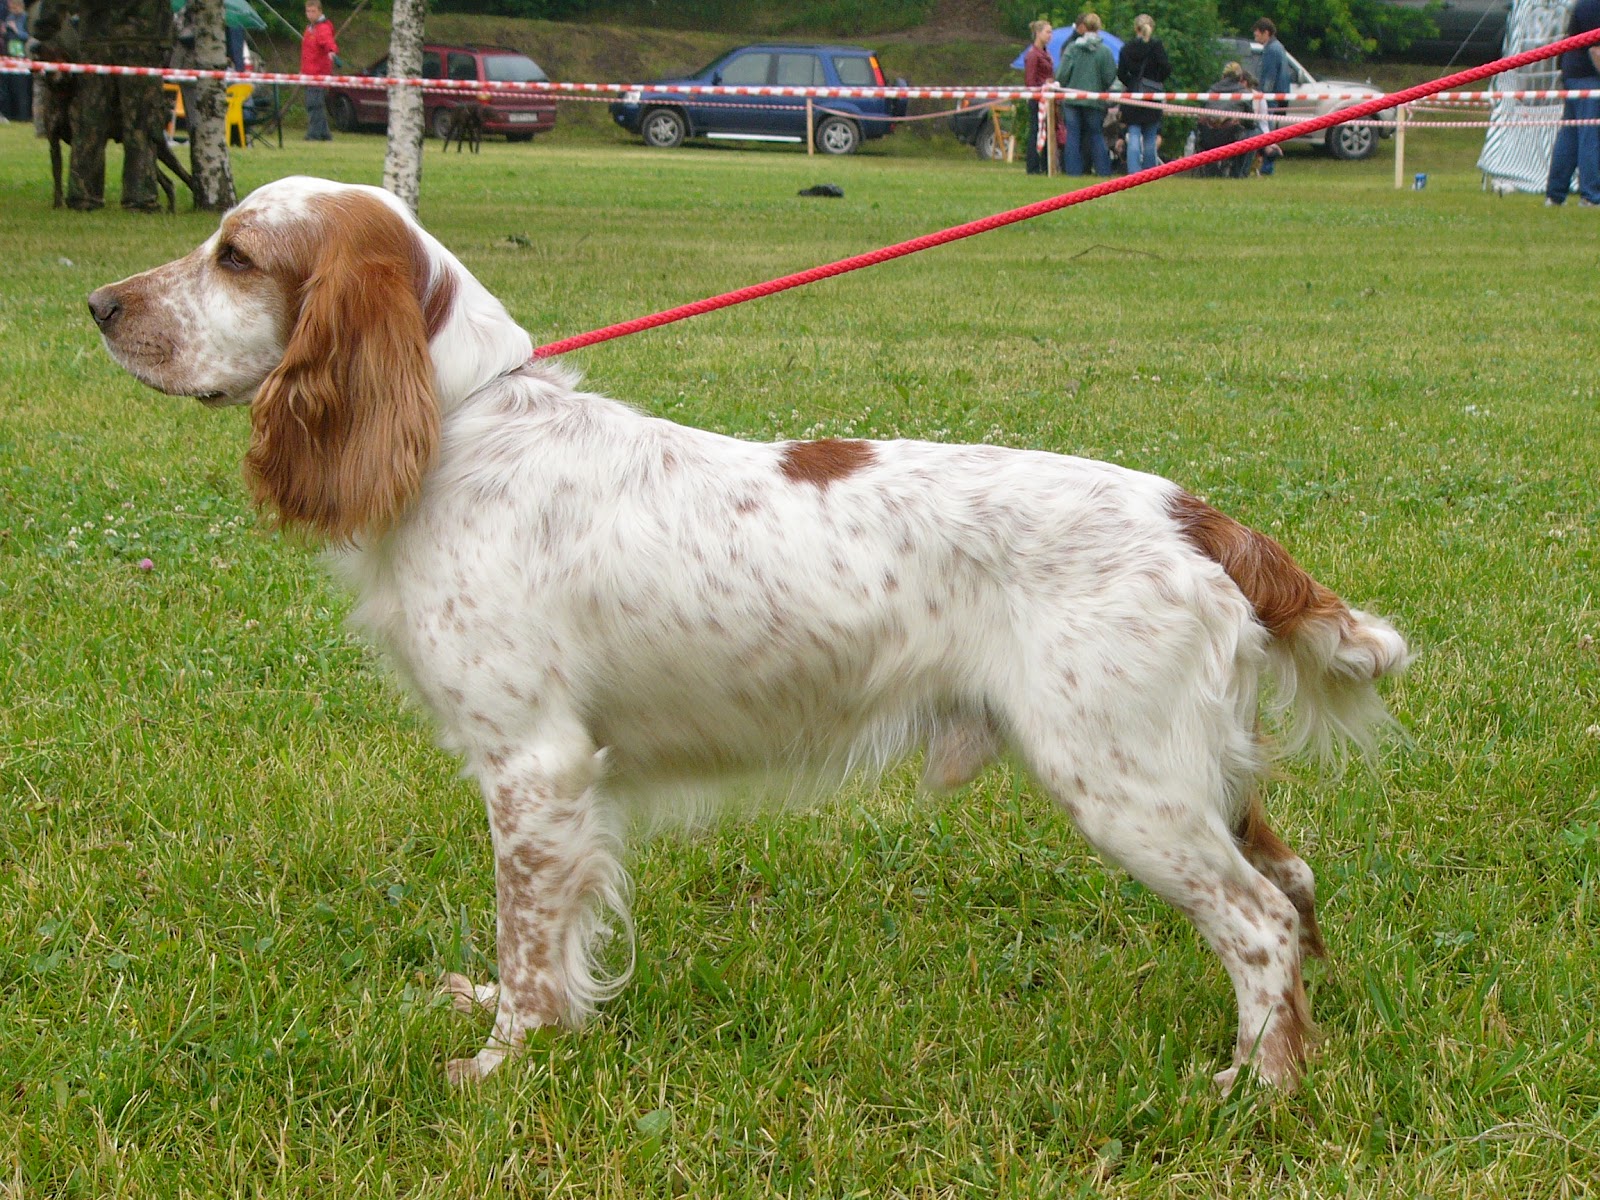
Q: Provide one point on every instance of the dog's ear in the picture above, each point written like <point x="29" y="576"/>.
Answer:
<point x="345" y="427"/>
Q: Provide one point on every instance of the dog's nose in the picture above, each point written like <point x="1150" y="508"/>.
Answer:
<point x="104" y="308"/>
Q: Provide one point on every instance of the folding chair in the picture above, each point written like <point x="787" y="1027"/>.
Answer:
<point x="238" y="93"/>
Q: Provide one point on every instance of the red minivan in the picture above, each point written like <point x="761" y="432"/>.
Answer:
<point x="518" y="115"/>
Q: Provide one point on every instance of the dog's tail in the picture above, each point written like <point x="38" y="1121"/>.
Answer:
<point x="1328" y="656"/>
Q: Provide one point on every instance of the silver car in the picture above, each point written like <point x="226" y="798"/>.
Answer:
<point x="1342" y="141"/>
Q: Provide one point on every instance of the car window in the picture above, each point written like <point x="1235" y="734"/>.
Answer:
<point x="747" y="70"/>
<point x="431" y="68"/>
<point x="800" y="70"/>
<point x="512" y="68"/>
<point x="854" y="72"/>
<point x="462" y="66"/>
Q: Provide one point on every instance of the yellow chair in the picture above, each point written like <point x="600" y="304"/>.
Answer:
<point x="175" y="111"/>
<point x="238" y="93"/>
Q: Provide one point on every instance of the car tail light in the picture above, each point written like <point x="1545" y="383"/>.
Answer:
<point x="877" y="71"/>
<point x="484" y="97"/>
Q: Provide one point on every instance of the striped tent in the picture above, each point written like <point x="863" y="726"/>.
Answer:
<point x="1516" y="153"/>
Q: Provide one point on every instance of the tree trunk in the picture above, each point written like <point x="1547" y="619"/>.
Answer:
<point x="402" y="165"/>
<point x="208" y="120"/>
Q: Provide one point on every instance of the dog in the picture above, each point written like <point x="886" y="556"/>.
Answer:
<point x="465" y="127"/>
<point x="609" y="615"/>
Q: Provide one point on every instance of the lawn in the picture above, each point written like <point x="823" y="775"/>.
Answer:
<point x="233" y="865"/>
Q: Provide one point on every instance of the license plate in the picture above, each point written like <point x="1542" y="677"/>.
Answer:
<point x="523" y="118"/>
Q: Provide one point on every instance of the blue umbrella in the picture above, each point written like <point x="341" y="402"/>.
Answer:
<point x="1058" y="39"/>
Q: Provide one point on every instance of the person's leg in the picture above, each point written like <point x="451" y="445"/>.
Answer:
<point x="1036" y="152"/>
<point x="1096" y="137"/>
<point x="1135" y="148"/>
<point x="11" y="107"/>
<point x="1072" y="155"/>
<point x="1269" y="159"/>
<point x="1589" y="151"/>
<point x="1563" y="157"/>
<point x="1152" y="135"/>
<point x="317" y="116"/>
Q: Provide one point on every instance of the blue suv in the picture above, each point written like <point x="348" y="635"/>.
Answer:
<point x="664" y="119"/>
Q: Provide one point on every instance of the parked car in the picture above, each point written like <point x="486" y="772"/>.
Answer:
<point x="975" y="127"/>
<point x="665" y="119"/>
<point x="1342" y="141"/>
<point x="517" y="115"/>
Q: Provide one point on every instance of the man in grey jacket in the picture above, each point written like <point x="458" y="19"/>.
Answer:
<point x="1275" y="77"/>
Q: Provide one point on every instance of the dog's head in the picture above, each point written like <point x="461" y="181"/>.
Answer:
<point x="325" y="308"/>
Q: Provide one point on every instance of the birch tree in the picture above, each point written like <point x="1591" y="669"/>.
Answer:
<point x="402" y="164"/>
<point x="208" y="119"/>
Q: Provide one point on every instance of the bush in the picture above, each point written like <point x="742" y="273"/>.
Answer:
<point x="1347" y="30"/>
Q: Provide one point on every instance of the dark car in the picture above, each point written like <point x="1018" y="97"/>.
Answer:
<point x="976" y="127"/>
<point x="665" y="119"/>
<point x="518" y="115"/>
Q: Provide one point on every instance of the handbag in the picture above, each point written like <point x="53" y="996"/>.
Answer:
<point x="1143" y="114"/>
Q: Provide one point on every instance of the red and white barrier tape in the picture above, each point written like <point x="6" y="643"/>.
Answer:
<point x="558" y="89"/>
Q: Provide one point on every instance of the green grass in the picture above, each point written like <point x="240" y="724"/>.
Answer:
<point x="232" y="865"/>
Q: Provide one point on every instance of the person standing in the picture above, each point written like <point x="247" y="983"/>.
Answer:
<point x="1275" y="77"/>
<point x="1143" y="67"/>
<point x="1577" y="147"/>
<point x="1087" y="66"/>
<point x="317" y="51"/>
<point x="1038" y="69"/>
<point x="16" y="89"/>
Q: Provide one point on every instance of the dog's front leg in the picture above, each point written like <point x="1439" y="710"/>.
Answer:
<point x="557" y="877"/>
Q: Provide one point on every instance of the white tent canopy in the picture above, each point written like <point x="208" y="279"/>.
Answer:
<point x="1515" y="153"/>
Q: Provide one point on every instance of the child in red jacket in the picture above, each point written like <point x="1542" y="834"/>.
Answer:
<point x="317" y="51"/>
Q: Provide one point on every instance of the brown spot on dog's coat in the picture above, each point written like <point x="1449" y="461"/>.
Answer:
<point x="1282" y="593"/>
<point x="820" y="463"/>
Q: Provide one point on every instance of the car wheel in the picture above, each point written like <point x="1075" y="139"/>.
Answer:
<point x="986" y="144"/>
<point x="439" y="122"/>
<point x="1352" y="141"/>
<point x="664" y="128"/>
<point x="838" y="135"/>
<point x="342" y="112"/>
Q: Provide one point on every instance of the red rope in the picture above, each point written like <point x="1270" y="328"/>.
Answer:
<point x="1038" y="209"/>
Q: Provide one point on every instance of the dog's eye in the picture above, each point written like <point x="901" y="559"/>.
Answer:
<point x="230" y="258"/>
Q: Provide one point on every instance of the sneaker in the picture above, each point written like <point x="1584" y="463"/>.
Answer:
<point x="1549" y="203"/>
<point x="1588" y="204"/>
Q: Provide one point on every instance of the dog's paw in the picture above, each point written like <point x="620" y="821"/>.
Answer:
<point x="1224" y="1080"/>
<point x="463" y="1072"/>
<point x="467" y="997"/>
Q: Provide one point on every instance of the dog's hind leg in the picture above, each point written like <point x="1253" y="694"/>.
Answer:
<point x="1167" y="830"/>
<point x="1150" y="747"/>
<point x="1271" y="855"/>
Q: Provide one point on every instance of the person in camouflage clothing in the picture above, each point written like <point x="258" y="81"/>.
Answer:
<point x="129" y="33"/>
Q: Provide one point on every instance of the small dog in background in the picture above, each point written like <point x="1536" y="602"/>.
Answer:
<point x="465" y="128"/>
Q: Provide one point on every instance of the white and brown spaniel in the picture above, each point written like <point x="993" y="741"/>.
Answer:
<point x="608" y="614"/>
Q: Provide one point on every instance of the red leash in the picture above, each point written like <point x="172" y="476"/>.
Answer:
<point x="929" y="240"/>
